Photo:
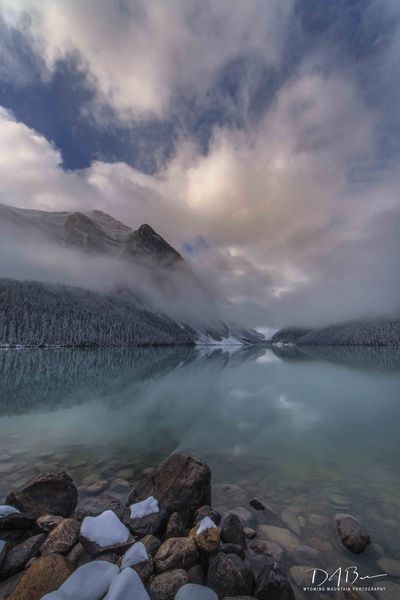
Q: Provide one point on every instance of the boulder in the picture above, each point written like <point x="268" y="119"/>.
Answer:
<point x="175" y="527"/>
<point x="193" y="591"/>
<point x="181" y="483"/>
<point x="146" y="517"/>
<point x="273" y="584"/>
<point x="127" y="585"/>
<point x="232" y="530"/>
<point x="45" y="575"/>
<point x="18" y="556"/>
<point x="48" y="522"/>
<point x="206" y="535"/>
<point x="351" y="533"/>
<point x="53" y="493"/>
<point x="176" y="553"/>
<point x="61" y="539"/>
<point x="229" y="575"/>
<point x="93" y="507"/>
<point x="104" y="534"/>
<point x="90" y="582"/>
<point x="166" y="585"/>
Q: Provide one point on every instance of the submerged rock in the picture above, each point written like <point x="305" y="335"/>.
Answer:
<point x="351" y="533"/>
<point x="127" y="585"/>
<point x="390" y="566"/>
<point x="228" y="494"/>
<point x="166" y="585"/>
<point x="18" y="556"/>
<point x="270" y="549"/>
<point x="273" y="584"/>
<point x="61" y="539"/>
<point x="285" y="538"/>
<point x="229" y="575"/>
<point x="45" y="575"/>
<point x="181" y="483"/>
<point x="53" y="493"/>
<point x="105" y="533"/>
<point x="176" y="553"/>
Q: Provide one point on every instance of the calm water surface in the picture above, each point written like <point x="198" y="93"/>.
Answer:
<point x="315" y="432"/>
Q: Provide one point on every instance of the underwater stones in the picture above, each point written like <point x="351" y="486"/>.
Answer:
<point x="273" y="584"/>
<point x="228" y="494"/>
<point x="176" y="553"/>
<point x="53" y="493"/>
<point x="390" y="566"/>
<point x="206" y="535"/>
<point x="229" y="575"/>
<point x="285" y="538"/>
<point x="351" y="533"/>
<point x="97" y="487"/>
<point x="249" y="533"/>
<point x="19" y="555"/>
<point x="45" y="575"/>
<point x="93" y="507"/>
<point x="104" y="533"/>
<point x="62" y="538"/>
<point x="181" y="483"/>
<point x="320" y="544"/>
<point x="318" y="520"/>
<point x="293" y="520"/>
<point x="166" y="585"/>
<point x="301" y="575"/>
<point x="305" y="555"/>
<point x="270" y="549"/>
<point x="257" y="504"/>
<point x="232" y="530"/>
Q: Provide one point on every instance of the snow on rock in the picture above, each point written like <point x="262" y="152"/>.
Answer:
<point x="135" y="555"/>
<point x="144" y="508"/>
<point x="127" y="586"/>
<point x="90" y="582"/>
<point x="6" y="510"/>
<point x="193" y="591"/>
<point x="105" y="530"/>
<point x="205" y="524"/>
<point x="56" y="596"/>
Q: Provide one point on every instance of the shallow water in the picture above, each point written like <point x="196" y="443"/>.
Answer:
<point x="317" y="432"/>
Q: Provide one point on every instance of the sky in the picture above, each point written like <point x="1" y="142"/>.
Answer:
<point x="262" y="139"/>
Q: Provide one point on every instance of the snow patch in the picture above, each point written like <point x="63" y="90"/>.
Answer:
<point x="194" y="591"/>
<point x="6" y="510"/>
<point x="127" y="585"/>
<point x="90" y="581"/>
<point x="135" y="555"/>
<point x="105" y="530"/>
<point x="144" y="508"/>
<point x="205" y="524"/>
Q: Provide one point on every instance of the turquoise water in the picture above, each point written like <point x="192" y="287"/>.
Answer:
<point x="294" y="429"/>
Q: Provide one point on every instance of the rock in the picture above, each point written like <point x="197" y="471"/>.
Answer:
<point x="279" y="535"/>
<point x="18" y="556"/>
<point x="389" y="566"/>
<point x="61" y="539"/>
<point x="45" y="575"/>
<point x="166" y="585"/>
<point x="273" y="584"/>
<point x="93" y="507"/>
<point x="120" y="486"/>
<point x="305" y="555"/>
<point x="176" y="553"/>
<point x="48" y="522"/>
<point x="206" y="511"/>
<point x="271" y="549"/>
<point x="78" y="555"/>
<point x="206" y="535"/>
<point x="53" y="493"/>
<point x="320" y="544"/>
<point x="192" y="591"/>
<point x="291" y="518"/>
<point x="104" y="533"/>
<point x="257" y="504"/>
<point x="12" y="518"/>
<point x="196" y="575"/>
<point x="181" y="483"/>
<point x="243" y="514"/>
<point x="352" y="535"/>
<point x="249" y="533"/>
<point x="391" y="591"/>
<point x="138" y="559"/>
<point x="97" y="487"/>
<point x="90" y="582"/>
<point x="232" y="530"/>
<point x="229" y="575"/>
<point x="127" y="585"/>
<point x="3" y="551"/>
<point x="318" y="520"/>
<point x="146" y="517"/>
<point x="151" y="543"/>
<point x="301" y="575"/>
<point x="145" y="569"/>
<point x="9" y="585"/>
<point x="175" y="527"/>
<point x="228" y="494"/>
<point x="232" y="549"/>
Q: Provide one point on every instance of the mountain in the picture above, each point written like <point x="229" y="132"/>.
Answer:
<point x="372" y="332"/>
<point x="142" y="272"/>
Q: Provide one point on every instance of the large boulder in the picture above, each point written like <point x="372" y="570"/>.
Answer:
<point x="176" y="553"/>
<point x="166" y="585"/>
<point x="105" y="533"/>
<point x="351" y="533"/>
<point x="181" y="483"/>
<point x="62" y="538"/>
<point x="91" y="581"/>
<point x="53" y="493"/>
<point x="18" y="556"/>
<point x="93" y="507"/>
<point x="45" y="575"/>
<point x="273" y="584"/>
<point x="229" y="575"/>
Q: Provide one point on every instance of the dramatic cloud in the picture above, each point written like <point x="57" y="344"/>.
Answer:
<point x="297" y="210"/>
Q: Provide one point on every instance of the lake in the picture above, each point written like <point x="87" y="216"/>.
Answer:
<point x="315" y="431"/>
